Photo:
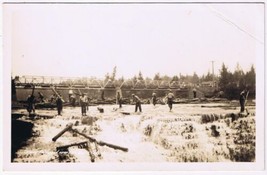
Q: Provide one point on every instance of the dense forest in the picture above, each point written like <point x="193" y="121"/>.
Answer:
<point x="230" y="83"/>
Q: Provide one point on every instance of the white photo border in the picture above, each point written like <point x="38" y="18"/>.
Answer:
<point x="259" y="166"/>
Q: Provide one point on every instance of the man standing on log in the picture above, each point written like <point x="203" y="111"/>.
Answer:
<point x="170" y="98"/>
<point x="137" y="101"/>
<point x="83" y="103"/>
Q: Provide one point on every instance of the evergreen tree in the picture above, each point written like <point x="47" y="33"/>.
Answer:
<point x="224" y="77"/>
<point x="134" y="79"/>
<point x="140" y="76"/>
<point x="121" y="79"/>
<point x="208" y="77"/>
<point x="238" y="77"/>
<point x="175" y="78"/>
<point x="182" y="78"/>
<point x="157" y="77"/>
<point x="107" y="77"/>
<point x="113" y="77"/>
<point x="195" y="79"/>
<point x="250" y="79"/>
<point x="166" y="78"/>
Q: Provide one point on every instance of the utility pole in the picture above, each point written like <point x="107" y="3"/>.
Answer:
<point x="212" y="69"/>
<point x="212" y="62"/>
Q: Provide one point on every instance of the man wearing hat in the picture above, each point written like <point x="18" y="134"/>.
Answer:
<point x="137" y="101"/>
<point x="170" y="97"/>
<point x="154" y="98"/>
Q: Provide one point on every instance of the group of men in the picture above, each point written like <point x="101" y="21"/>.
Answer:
<point x="84" y="101"/>
<point x="169" y="100"/>
<point x="31" y="101"/>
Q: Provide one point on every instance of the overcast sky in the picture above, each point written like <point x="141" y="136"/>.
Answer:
<point x="90" y="39"/>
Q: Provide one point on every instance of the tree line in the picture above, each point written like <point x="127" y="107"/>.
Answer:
<point x="230" y="83"/>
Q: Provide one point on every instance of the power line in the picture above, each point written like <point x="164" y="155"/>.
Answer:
<point x="225" y="19"/>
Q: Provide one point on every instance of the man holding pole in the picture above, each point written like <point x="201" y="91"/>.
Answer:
<point x="242" y="100"/>
<point x="59" y="102"/>
<point x="137" y="101"/>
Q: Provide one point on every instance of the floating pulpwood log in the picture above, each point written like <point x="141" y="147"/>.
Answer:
<point x="17" y="115"/>
<point x="32" y="116"/>
<point x="17" y="105"/>
<point x="45" y="116"/>
<point x="88" y="120"/>
<point x="217" y="106"/>
<point x="214" y="132"/>
<point x="126" y="113"/>
<point x="68" y="127"/>
<point x="91" y="139"/>
<point x="45" y="105"/>
<point x="66" y="147"/>
<point x="63" y="150"/>
<point x="82" y="145"/>
<point x="236" y="116"/>
<point x="101" y="110"/>
<point x="101" y="143"/>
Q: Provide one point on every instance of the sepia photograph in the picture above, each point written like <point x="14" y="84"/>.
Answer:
<point x="134" y="86"/>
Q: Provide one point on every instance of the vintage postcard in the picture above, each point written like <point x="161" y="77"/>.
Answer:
<point x="133" y="86"/>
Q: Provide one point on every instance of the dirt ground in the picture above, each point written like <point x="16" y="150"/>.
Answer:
<point x="189" y="133"/>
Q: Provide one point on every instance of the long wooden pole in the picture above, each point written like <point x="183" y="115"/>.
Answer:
<point x="100" y="142"/>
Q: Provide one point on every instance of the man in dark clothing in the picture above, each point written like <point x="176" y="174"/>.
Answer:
<point x="195" y="93"/>
<point x="59" y="103"/>
<point x="154" y="99"/>
<point x="170" y="98"/>
<point x="103" y="95"/>
<point x="137" y="101"/>
<point x="31" y="104"/>
<point x="119" y="99"/>
<point x="242" y="100"/>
